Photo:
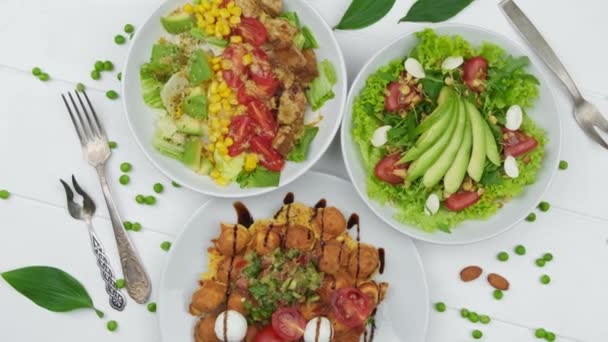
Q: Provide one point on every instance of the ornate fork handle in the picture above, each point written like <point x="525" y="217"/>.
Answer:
<point x="117" y="300"/>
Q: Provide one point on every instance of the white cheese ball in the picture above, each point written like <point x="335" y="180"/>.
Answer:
<point x="236" y="326"/>
<point x="325" y="331"/>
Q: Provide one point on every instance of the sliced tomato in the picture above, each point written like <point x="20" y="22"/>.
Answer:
<point x="396" y="100"/>
<point x="252" y="31"/>
<point x="269" y="157"/>
<point x="262" y="74"/>
<point x="263" y="117"/>
<point x="288" y="323"/>
<point x="241" y="130"/>
<point x="516" y="143"/>
<point x="267" y="334"/>
<point x="234" y="53"/>
<point x="389" y="171"/>
<point x="475" y="71"/>
<point x="243" y="96"/>
<point x="351" y="306"/>
<point x="461" y="200"/>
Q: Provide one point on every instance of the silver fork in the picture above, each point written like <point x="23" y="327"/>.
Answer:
<point x="96" y="151"/>
<point x="586" y="114"/>
<point x="85" y="213"/>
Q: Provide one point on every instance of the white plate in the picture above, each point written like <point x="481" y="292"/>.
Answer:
<point x="544" y="113"/>
<point x="403" y="316"/>
<point x="141" y="118"/>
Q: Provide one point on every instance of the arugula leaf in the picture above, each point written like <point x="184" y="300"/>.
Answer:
<point x="258" y="178"/>
<point x="363" y="13"/>
<point x="403" y="131"/>
<point x="258" y="291"/>
<point x="432" y="85"/>
<point x="434" y="11"/>
<point x="491" y="175"/>
<point x="299" y="153"/>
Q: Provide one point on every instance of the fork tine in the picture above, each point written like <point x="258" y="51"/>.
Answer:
<point x="76" y="126"/>
<point x="88" y="202"/>
<point x="600" y="122"/>
<point x="593" y="134"/>
<point x="85" y="128"/>
<point x="92" y="125"/>
<point x="68" y="192"/>
<point x="99" y="125"/>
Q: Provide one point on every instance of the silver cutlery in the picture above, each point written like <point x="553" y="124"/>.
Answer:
<point x="586" y="114"/>
<point x="94" y="143"/>
<point x="85" y="213"/>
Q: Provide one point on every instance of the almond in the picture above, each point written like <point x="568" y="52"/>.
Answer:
<point x="498" y="281"/>
<point x="470" y="273"/>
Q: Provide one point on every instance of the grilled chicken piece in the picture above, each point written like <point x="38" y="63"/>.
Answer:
<point x="250" y="8"/>
<point x="280" y="31"/>
<point x="284" y="141"/>
<point x="292" y="107"/>
<point x="286" y="77"/>
<point x="309" y="72"/>
<point x="290" y="57"/>
<point x="272" y="7"/>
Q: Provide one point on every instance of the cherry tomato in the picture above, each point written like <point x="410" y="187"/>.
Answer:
<point x="241" y="130"/>
<point x="267" y="334"/>
<point x="252" y="31"/>
<point x="389" y="171"/>
<point x="262" y="75"/>
<point x="243" y="96"/>
<point x="475" y="73"/>
<point x="395" y="100"/>
<point x="461" y="200"/>
<point x="351" y="306"/>
<point x="288" y="323"/>
<point x="516" y="143"/>
<point x="269" y="157"/>
<point x="234" y="53"/>
<point x="263" y="117"/>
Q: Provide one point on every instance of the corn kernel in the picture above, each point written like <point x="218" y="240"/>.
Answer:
<point x="188" y="8"/>
<point x="225" y="122"/>
<point x="226" y="64"/>
<point x="213" y="138"/>
<point x="247" y="59"/>
<point x="236" y="39"/>
<point x="223" y="150"/>
<point x="211" y="148"/>
<point x="236" y="11"/>
<point x="230" y="5"/>
<point x="215" y="98"/>
<point x="225" y="130"/>
<point x="214" y="174"/>
<point x="224" y="13"/>
<point x="216" y="60"/>
<point x="209" y="18"/>
<point x="251" y="162"/>
<point x="209" y="30"/>
<point x="213" y="87"/>
<point x="217" y="2"/>
<point x="207" y="5"/>
<point x="227" y="157"/>
<point x="215" y="107"/>
<point x="199" y="8"/>
<point x="234" y="20"/>
<point x="223" y="86"/>
<point x="221" y="181"/>
<point x="215" y="11"/>
<point x="225" y="94"/>
<point x="215" y="67"/>
<point x="228" y="142"/>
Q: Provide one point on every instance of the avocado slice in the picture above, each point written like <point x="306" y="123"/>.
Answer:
<point x="435" y="116"/>
<point x="198" y="68"/>
<point x="433" y="175"/>
<point x="177" y="22"/>
<point x="192" y="153"/>
<point x="426" y="160"/>
<point x="206" y="167"/>
<point x="195" y="104"/>
<point x="455" y="174"/>
<point x="478" y="153"/>
<point x="491" y="147"/>
<point x="188" y="125"/>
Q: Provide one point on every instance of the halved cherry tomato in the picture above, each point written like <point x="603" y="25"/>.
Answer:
<point x="389" y="171"/>
<point x="241" y="130"/>
<point x="288" y="323"/>
<point x="516" y="143"/>
<point x="262" y="75"/>
<point x="475" y="71"/>
<point x="243" y="96"/>
<point x="263" y="117"/>
<point x="252" y="31"/>
<point x="269" y="157"/>
<point x="351" y="306"/>
<point x="267" y="334"/>
<point x="234" y="53"/>
<point x="461" y="200"/>
<point x="396" y="100"/>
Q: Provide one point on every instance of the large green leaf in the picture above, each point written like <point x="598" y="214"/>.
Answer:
<point x="435" y="11"/>
<point x="363" y="13"/>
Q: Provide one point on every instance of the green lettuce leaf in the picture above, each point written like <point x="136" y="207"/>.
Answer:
<point x="299" y="153"/>
<point x="321" y="88"/>
<point x="432" y="49"/>
<point x="258" y="178"/>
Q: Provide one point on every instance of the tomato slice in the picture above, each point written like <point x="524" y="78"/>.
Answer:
<point x="288" y="323"/>
<point x="241" y="130"/>
<point x="267" y="334"/>
<point x="516" y="143"/>
<point x="243" y="96"/>
<point x="351" y="306"/>
<point x="263" y="117"/>
<point x="389" y="171"/>
<point x="262" y="75"/>
<point x="396" y="100"/>
<point x="475" y="71"/>
<point x="234" y="53"/>
<point x="269" y="157"/>
<point x="252" y="31"/>
<point x="461" y="200"/>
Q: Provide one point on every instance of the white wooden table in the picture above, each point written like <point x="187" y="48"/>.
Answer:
<point x="38" y="146"/>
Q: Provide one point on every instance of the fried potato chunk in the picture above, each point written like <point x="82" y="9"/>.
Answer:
<point x="225" y="243"/>
<point x="208" y="297"/>
<point x="330" y="222"/>
<point x="364" y="263"/>
<point x="299" y="237"/>
<point x="205" y="330"/>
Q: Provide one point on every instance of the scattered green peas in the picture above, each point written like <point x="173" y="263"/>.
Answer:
<point x="108" y="66"/>
<point x="128" y="225"/>
<point x="129" y="28"/>
<point x="175" y="184"/>
<point x="540" y="333"/>
<point x="520" y="250"/>
<point x="120" y="283"/>
<point x="563" y="165"/>
<point x="503" y="256"/>
<point x="112" y="325"/>
<point x="44" y="77"/>
<point x="124" y="179"/>
<point x="80" y="87"/>
<point x="166" y="245"/>
<point x="140" y="199"/>
<point x="158" y="188"/>
<point x="550" y="336"/>
<point x="136" y="227"/>
<point x="95" y="75"/>
<point x="548" y="257"/>
<point x="119" y="39"/>
<point x="477" y="334"/>
<point x="126" y="167"/>
<point x="440" y="307"/>
<point x="4" y="194"/>
<point x="531" y="217"/>
<point x="150" y="200"/>
<point x="540" y="262"/>
<point x="36" y="71"/>
<point x="119" y="76"/>
<point x="98" y="65"/>
<point x="498" y="294"/>
<point x="473" y="317"/>
<point x="112" y="94"/>
<point x="152" y="307"/>
<point x="112" y="144"/>
<point x="545" y="279"/>
<point x="544" y="206"/>
<point x="464" y="313"/>
<point x="485" y="319"/>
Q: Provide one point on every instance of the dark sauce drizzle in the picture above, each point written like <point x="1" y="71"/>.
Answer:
<point x="381" y="258"/>
<point x="287" y="201"/>
<point x="318" y="330"/>
<point x="244" y="216"/>
<point x="372" y="330"/>
<point x="318" y="207"/>
<point x="353" y="220"/>
<point x="228" y="287"/>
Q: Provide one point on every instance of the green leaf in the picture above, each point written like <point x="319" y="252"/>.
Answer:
<point x="363" y="13"/>
<point x="299" y="153"/>
<point x="434" y="11"/>
<point x="321" y="88"/>
<point x="50" y="288"/>
<point x="258" y="178"/>
<point x="310" y="42"/>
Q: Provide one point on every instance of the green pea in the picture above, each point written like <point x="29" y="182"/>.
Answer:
<point x="531" y="217"/>
<point x="4" y="194"/>
<point x="112" y="325"/>
<point x="477" y="334"/>
<point x="540" y="262"/>
<point x="120" y="283"/>
<point x="108" y="66"/>
<point x="473" y="317"/>
<point x="44" y="77"/>
<point x="503" y="256"/>
<point x="36" y="71"/>
<point x="140" y="199"/>
<point x="563" y="165"/>
<point x="485" y="319"/>
<point x="124" y="179"/>
<point x="158" y="188"/>
<point x="128" y="225"/>
<point x="119" y="76"/>
<point x="540" y="333"/>
<point x="464" y="313"/>
<point x="545" y="279"/>
<point x="544" y="206"/>
<point x="549" y="336"/>
<point x="548" y="257"/>
<point x="98" y="65"/>
<point x="112" y="94"/>
<point x="165" y="246"/>
<point x="498" y="294"/>
<point x="80" y="87"/>
<point x="440" y="307"/>
<point x="520" y="250"/>
<point x="136" y="227"/>
<point x="126" y="167"/>
<point x="175" y="184"/>
<point x="152" y="307"/>
<point x="119" y="39"/>
<point x="150" y="200"/>
<point x="129" y="28"/>
<point x="95" y="75"/>
<point x="112" y="144"/>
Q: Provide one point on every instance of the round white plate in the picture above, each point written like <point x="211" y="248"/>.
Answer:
<point x="403" y="316"/>
<point x="141" y="118"/>
<point x="544" y="113"/>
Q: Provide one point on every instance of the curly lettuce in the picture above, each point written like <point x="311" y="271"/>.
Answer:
<point x="432" y="49"/>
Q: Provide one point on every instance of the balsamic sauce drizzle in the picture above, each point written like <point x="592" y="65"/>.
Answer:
<point x="228" y="287"/>
<point x="244" y="216"/>
<point x="287" y="201"/>
<point x="381" y="258"/>
<point x="353" y="220"/>
<point x="320" y="206"/>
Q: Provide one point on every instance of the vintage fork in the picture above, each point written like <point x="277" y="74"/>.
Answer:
<point x="85" y="213"/>
<point x="96" y="151"/>
<point x="586" y="114"/>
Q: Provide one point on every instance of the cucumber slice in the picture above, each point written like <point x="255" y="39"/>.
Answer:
<point x="478" y="153"/>
<point x="455" y="174"/>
